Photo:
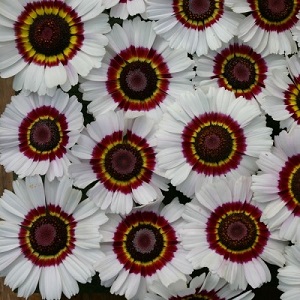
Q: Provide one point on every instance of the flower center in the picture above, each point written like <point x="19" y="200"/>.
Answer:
<point x="144" y="243"/>
<point x="240" y="73"/>
<point x="213" y="143"/>
<point x="49" y="34"/>
<point x="199" y="7"/>
<point x="44" y="135"/>
<point x="144" y="240"/>
<point x="199" y="10"/>
<point x="48" y="235"/>
<point x="276" y="10"/>
<point x="237" y="231"/>
<point x="45" y="235"/>
<point x="123" y="162"/>
<point x="138" y="80"/>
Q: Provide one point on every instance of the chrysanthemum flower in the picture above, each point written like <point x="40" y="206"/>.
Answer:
<point x="48" y="238"/>
<point x="202" y="137"/>
<point x="124" y="8"/>
<point x="140" y="74"/>
<point x="269" y="25"/>
<point x="238" y="68"/>
<point x="36" y="133"/>
<point x="142" y="247"/>
<point x="276" y="187"/>
<point x="281" y="99"/>
<point x="49" y="42"/>
<point x="208" y="286"/>
<point x="225" y="234"/>
<point x="119" y="157"/>
<point x="193" y="25"/>
<point x="289" y="275"/>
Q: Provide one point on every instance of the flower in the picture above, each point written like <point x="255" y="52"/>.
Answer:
<point x="142" y="247"/>
<point x="206" y="136"/>
<point x="288" y="275"/>
<point x="49" y="42"/>
<point x="140" y="74"/>
<point x="36" y="133"/>
<point x="276" y="187"/>
<point x="238" y="68"/>
<point x="281" y="100"/>
<point x="270" y="25"/>
<point x="119" y="156"/>
<point x="193" y="25"/>
<point x="224" y="233"/>
<point x="48" y="238"/>
<point x="208" y="286"/>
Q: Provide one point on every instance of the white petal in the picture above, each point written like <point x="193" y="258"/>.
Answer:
<point x="36" y="191"/>
<point x="50" y="285"/>
<point x="55" y="75"/>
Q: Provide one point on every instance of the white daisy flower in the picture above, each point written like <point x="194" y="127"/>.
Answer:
<point x="48" y="237"/>
<point x="140" y="74"/>
<point x="142" y="247"/>
<point x="206" y="136"/>
<point x="36" y="133"/>
<point x="49" y="42"/>
<point x="276" y="187"/>
<point x="238" y="68"/>
<point x="193" y="25"/>
<point x="225" y="234"/>
<point x="281" y="100"/>
<point x="208" y="286"/>
<point x="269" y="25"/>
<point x="289" y="275"/>
<point x="119" y="157"/>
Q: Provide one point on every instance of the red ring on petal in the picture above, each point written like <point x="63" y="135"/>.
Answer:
<point x="37" y="248"/>
<point x="38" y="23"/>
<point x="155" y="87"/>
<point x="196" y="17"/>
<point x="35" y="151"/>
<point x="206" y="161"/>
<point x="113" y="179"/>
<point x="273" y="15"/>
<point x="249" y="245"/>
<point x="144" y="263"/>
<point x="248" y="85"/>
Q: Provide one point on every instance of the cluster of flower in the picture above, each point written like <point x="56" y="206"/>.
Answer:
<point x="116" y="102"/>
